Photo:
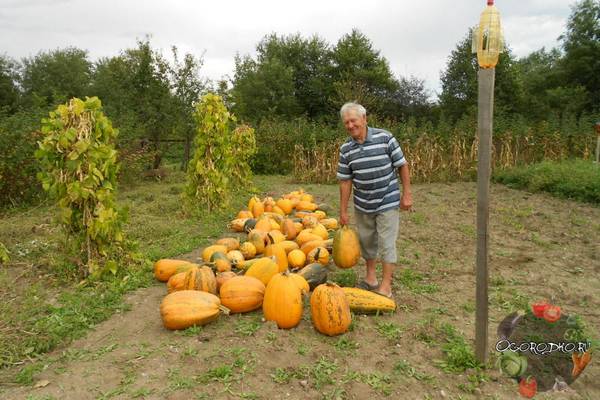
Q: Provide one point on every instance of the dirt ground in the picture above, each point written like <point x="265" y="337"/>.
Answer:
<point x="540" y="247"/>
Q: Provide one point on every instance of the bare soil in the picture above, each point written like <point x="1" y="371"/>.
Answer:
<point x="540" y="247"/>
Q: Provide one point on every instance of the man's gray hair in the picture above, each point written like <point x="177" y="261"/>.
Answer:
<point x="360" y="110"/>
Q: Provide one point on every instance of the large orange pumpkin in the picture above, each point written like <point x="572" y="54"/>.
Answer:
<point x="288" y="229"/>
<point x="283" y="301"/>
<point x="200" y="278"/>
<point x="346" y="247"/>
<point x="242" y="294"/>
<point x="330" y="311"/>
<point x="223" y="277"/>
<point x="185" y="308"/>
<point x="276" y="250"/>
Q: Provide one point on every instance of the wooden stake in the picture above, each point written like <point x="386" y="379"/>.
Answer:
<point x="484" y="127"/>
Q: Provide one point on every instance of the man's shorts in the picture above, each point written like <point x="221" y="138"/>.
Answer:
<point x="378" y="233"/>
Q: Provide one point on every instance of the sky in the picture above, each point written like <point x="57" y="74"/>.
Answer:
<point x="415" y="36"/>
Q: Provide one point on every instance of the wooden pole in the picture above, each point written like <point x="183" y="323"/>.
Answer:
<point x="484" y="127"/>
<point x="598" y="149"/>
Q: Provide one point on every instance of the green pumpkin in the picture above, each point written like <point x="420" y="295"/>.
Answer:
<point x="315" y="274"/>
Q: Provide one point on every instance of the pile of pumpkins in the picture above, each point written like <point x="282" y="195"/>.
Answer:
<point x="286" y="254"/>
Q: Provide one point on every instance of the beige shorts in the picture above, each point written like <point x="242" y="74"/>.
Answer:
<point x="378" y="234"/>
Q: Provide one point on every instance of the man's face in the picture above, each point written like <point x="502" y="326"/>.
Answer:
<point x="354" y="123"/>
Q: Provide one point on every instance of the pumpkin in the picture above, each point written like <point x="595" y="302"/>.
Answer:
<point x="330" y="223"/>
<point x="320" y="230"/>
<point x="346" y="247"/>
<point x="296" y="259"/>
<point x="200" y="278"/>
<point x="278" y="211"/>
<point x="285" y="205"/>
<point x="235" y="257"/>
<point x="263" y="224"/>
<point x="237" y="225"/>
<point x="307" y="198"/>
<point x="288" y="228"/>
<point x="176" y="282"/>
<point x="230" y="243"/>
<point x="257" y="238"/>
<point x="277" y="236"/>
<point x="257" y="209"/>
<point x="303" y="214"/>
<point x="324" y="207"/>
<point x="275" y="217"/>
<point x="310" y="246"/>
<point x="309" y="221"/>
<point x="301" y="282"/>
<point x="208" y="252"/>
<point x="277" y="251"/>
<point x="223" y="277"/>
<point x="283" y="301"/>
<point x="306" y="236"/>
<point x="268" y="204"/>
<point x="242" y="294"/>
<point x="315" y="274"/>
<point x="165" y="268"/>
<point x="288" y="246"/>
<point x="248" y="250"/>
<point x="320" y="214"/>
<point x="365" y="301"/>
<point x="264" y="269"/>
<point x="185" y="308"/>
<point x="304" y="205"/>
<point x="275" y="225"/>
<point x="220" y="261"/>
<point x="249" y="225"/>
<point x="330" y="311"/>
<point x="318" y="254"/>
<point x="245" y="214"/>
<point x="251" y="203"/>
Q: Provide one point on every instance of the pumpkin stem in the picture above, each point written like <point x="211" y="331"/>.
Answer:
<point x="224" y="309"/>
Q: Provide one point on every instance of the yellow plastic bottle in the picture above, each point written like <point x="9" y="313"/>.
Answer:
<point x="489" y="39"/>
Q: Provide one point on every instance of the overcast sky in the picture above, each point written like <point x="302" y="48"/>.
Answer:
<point x="416" y="36"/>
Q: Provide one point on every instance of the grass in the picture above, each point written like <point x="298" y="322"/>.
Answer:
<point x="45" y="304"/>
<point x="458" y="354"/>
<point x="572" y="179"/>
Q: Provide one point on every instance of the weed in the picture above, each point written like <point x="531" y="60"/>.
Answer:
<point x="469" y="307"/>
<point x="302" y="349"/>
<point x="458" y="353"/>
<point x="345" y="344"/>
<point x="403" y="367"/>
<point x="413" y="280"/>
<point x="379" y="382"/>
<point x="223" y="373"/>
<point x="389" y="330"/>
<point x="176" y="381"/>
<point x="345" y="278"/>
<point x="191" y="331"/>
<point x="322" y="372"/>
<point x="281" y="375"/>
<point x="142" y="392"/>
<point x="247" y="327"/>
<point x="26" y="374"/>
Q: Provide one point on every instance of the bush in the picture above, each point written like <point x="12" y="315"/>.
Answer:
<point x="573" y="179"/>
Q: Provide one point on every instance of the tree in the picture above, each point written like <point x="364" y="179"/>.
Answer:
<point x="53" y="77"/>
<point x="459" y="83"/>
<point x="581" y="44"/>
<point x="356" y="64"/>
<point x="9" y="94"/>
<point x="187" y="87"/>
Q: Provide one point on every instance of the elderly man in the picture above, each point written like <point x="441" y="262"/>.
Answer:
<point x="368" y="163"/>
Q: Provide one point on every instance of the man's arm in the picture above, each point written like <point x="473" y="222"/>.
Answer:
<point x="345" y="191"/>
<point x="406" y="200"/>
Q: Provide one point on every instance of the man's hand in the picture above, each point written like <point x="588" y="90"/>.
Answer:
<point x="406" y="201"/>
<point x="344" y="219"/>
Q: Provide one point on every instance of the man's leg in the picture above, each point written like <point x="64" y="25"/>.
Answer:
<point x="387" y="230"/>
<point x="367" y="236"/>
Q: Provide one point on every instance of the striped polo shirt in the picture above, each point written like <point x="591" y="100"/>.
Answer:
<point x="372" y="168"/>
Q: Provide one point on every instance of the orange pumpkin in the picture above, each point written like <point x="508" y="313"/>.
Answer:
<point x="296" y="259"/>
<point x="223" y="277"/>
<point x="320" y="255"/>
<point x="283" y="301"/>
<point x="242" y="294"/>
<point x="165" y="268"/>
<point x="330" y="311"/>
<point x="263" y="269"/>
<point x="346" y="247"/>
<point x="185" y="308"/>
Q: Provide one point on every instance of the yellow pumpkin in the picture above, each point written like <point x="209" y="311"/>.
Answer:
<point x="278" y="211"/>
<point x="320" y="230"/>
<point x="301" y="282"/>
<point x="330" y="311"/>
<point x="320" y="255"/>
<point x="200" y="278"/>
<point x="346" y="247"/>
<point x="230" y="243"/>
<point x="306" y="197"/>
<point x="237" y="225"/>
<point x="176" y="282"/>
<point x="299" y="227"/>
<point x="263" y="269"/>
<point x="277" y="251"/>
<point x="242" y="294"/>
<point x="296" y="259"/>
<point x="330" y="223"/>
<point x="310" y="246"/>
<point x="220" y="261"/>
<point x="283" y="301"/>
<point x="263" y="224"/>
<point x="288" y="246"/>
<point x="185" y="308"/>
<point x="306" y="236"/>
<point x="365" y="301"/>
<point x="285" y="205"/>
<point x="248" y="250"/>
<point x="258" y="209"/>
<point x="253" y="200"/>
<point x="235" y="257"/>
<point x="165" y="268"/>
<point x="277" y="236"/>
<point x="257" y="238"/>
<point x="245" y="214"/>
<point x="223" y="277"/>
<point x="208" y="251"/>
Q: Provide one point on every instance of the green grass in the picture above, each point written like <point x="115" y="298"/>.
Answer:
<point x="44" y="302"/>
<point x="458" y="354"/>
<point x="572" y="179"/>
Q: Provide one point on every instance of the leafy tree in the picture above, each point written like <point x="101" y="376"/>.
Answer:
<point x="581" y="44"/>
<point x="50" y="78"/>
<point x="358" y="67"/>
<point x="9" y="93"/>
<point x="187" y="86"/>
<point x="459" y="83"/>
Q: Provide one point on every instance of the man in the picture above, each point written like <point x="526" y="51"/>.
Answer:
<point x="368" y="163"/>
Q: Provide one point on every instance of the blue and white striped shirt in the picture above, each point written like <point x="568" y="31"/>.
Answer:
<point x="371" y="166"/>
